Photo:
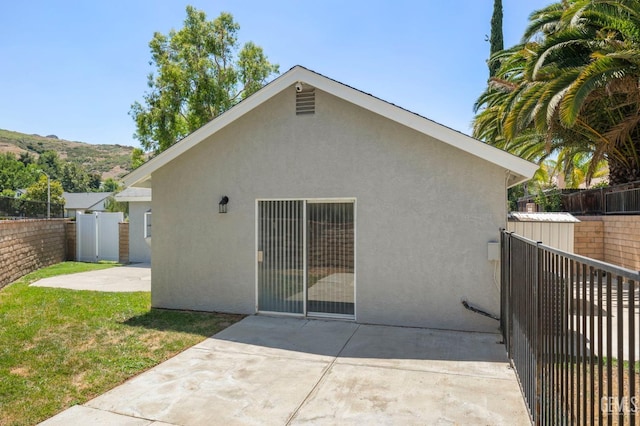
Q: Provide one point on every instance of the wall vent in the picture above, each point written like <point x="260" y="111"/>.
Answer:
<point x="306" y="101"/>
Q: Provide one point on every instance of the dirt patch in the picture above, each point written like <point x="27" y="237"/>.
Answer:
<point x="20" y="371"/>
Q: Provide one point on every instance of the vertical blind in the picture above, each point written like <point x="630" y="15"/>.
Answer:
<point x="281" y="256"/>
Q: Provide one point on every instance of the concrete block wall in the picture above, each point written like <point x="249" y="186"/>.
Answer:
<point x="589" y="237"/>
<point x="331" y="235"/>
<point x="123" y="254"/>
<point x="27" y="245"/>
<point x="71" y="240"/>
<point x="613" y="239"/>
<point x="622" y="241"/>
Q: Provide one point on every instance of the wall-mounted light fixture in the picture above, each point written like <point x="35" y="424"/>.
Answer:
<point x="222" y="205"/>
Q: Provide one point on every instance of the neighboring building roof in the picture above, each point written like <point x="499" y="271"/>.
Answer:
<point x="542" y="217"/>
<point x="133" y="194"/>
<point x="83" y="200"/>
<point x="519" y="170"/>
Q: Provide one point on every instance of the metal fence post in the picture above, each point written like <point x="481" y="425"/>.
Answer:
<point x="537" y="334"/>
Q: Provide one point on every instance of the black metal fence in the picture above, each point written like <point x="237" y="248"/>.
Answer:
<point x="19" y="208"/>
<point x="571" y="328"/>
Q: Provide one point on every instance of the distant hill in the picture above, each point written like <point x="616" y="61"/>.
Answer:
<point x="108" y="160"/>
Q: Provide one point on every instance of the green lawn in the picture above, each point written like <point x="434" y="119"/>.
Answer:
<point x="63" y="347"/>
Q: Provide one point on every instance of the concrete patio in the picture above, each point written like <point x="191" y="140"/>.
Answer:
<point x="134" y="277"/>
<point x="279" y="371"/>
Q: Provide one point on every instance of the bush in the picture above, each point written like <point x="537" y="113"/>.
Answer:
<point x="549" y="200"/>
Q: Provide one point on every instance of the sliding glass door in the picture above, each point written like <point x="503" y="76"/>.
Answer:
<point x="330" y="257"/>
<point x="306" y="254"/>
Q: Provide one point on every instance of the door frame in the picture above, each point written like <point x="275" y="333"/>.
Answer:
<point x="306" y="201"/>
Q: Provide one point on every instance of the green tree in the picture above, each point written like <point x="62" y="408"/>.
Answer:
<point x="113" y="206"/>
<point x="73" y="178"/>
<point x="137" y="158"/>
<point x="549" y="200"/>
<point x="95" y="182"/>
<point x="576" y="170"/>
<point x="496" y="40"/>
<point x="50" y="163"/>
<point x="26" y="158"/>
<point x="199" y="74"/>
<point x="110" y="185"/>
<point x="570" y="88"/>
<point x="38" y="191"/>
<point x="14" y="174"/>
<point x="513" y="195"/>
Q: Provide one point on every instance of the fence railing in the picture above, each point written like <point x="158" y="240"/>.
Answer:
<point x="627" y="201"/>
<point x="571" y="328"/>
<point x="19" y="208"/>
<point x="617" y="199"/>
<point x="590" y="201"/>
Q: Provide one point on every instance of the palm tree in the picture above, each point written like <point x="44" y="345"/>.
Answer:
<point x="577" y="170"/>
<point x="571" y="87"/>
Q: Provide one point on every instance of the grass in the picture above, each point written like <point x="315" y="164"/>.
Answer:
<point x="579" y="400"/>
<point x="63" y="347"/>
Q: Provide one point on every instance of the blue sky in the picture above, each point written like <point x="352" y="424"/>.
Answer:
<point x="73" y="68"/>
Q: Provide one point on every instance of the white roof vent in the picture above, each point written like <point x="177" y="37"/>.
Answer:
<point x="305" y="99"/>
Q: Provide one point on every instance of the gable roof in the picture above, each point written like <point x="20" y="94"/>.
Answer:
<point x="133" y="194"/>
<point x="83" y="200"/>
<point x="519" y="170"/>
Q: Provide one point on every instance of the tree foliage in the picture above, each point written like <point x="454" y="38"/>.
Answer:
<point x="74" y="179"/>
<point x="496" y="40"/>
<point x="137" y="158"/>
<point x="50" y="163"/>
<point x="22" y="172"/>
<point x="110" y="185"/>
<point x="95" y="182"/>
<point x="72" y="176"/>
<point x="113" y="206"/>
<point x="26" y="158"/>
<point x="38" y="191"/>
<point x="200" y="73"/>
<point x="14" y="174"/>
<point x="570" y="88"/>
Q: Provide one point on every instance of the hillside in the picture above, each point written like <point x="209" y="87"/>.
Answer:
<point x="108" y="160"/>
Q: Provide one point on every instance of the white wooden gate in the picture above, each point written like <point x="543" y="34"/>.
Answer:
<point x="97" y="236"/>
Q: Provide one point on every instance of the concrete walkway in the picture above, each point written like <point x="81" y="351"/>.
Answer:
<point x="279" y="371"/>
<point x="135" y="277"/>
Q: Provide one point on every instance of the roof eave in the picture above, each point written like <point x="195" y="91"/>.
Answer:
<point x="522" y="170"/>
<point x="143" y="173"/>
<point x="524" y="174"/>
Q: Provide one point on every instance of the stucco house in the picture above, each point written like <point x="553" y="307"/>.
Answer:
<point x="80" y="202"/>
<point x="139" y="200"/>
<point x="312" y="198"/>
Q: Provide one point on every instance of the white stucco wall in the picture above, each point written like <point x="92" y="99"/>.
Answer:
<point x="139" y="250"/>
<point x="425" y="213"/>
